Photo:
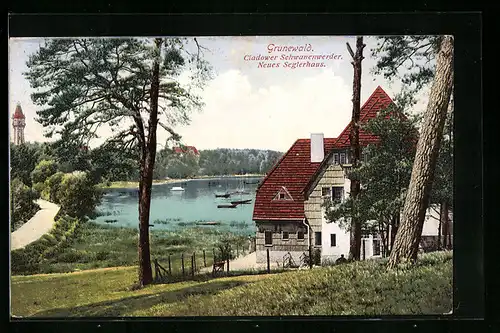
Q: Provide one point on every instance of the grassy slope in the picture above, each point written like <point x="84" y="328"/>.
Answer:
<point x="106" y="246"/>
<point x="363" y="288"/>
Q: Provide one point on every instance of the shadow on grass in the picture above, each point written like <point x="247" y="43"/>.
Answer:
<point x="120" y="306"/>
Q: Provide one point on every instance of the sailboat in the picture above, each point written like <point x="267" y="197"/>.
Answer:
<point x="241" y="189"/>
<point x="225" y="195"/>
<point x="241" y="192"/>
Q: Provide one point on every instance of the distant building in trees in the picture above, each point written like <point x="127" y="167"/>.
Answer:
<point x="19" y="123"/>
<point x="187" y="150"/>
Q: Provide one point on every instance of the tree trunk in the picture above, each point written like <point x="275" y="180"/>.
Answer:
<point x="440" y="227"/>
<point x="355" y="241"/>
<point x="410" y="230"/>
<point x="394" y="229"/>
<point x="446" y="225"/>
<point x="146" y="180"/>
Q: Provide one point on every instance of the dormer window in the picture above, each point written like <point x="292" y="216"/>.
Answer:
<point x="336" y="158"/>
<point x="283" y="194"/>
<point x="342" y="158"/>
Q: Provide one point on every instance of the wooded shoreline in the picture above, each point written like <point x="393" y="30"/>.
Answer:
<point x="129" y="184"/>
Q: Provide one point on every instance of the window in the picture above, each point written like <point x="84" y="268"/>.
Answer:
<point x="333" y="240"/>
<point x="326" y="191"/>
<point x="285" y="235"/>
<point x="376" y="247"/>
<point x="282" y="196"/>
<point x="342" y="158"/>
<point x="269" y="238"/>
<point x="317" y="238"/>
<point x="338" y="193"/>
<point x="336" y="158"/>
<point x="300" y="235"/>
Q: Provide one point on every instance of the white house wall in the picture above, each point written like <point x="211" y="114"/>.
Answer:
<point x="332" y="253"/>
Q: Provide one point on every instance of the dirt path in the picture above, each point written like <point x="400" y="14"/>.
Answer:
<point x="243" y="263"/>
<point x="36" y="227"/>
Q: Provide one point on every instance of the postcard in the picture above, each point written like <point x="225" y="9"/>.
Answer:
<point x="231" y="176"/>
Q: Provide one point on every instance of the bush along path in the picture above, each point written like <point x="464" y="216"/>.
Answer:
<point x="41" y="223"/>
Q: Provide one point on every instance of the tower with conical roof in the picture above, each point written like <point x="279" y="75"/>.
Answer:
<point x="18" y="122"/>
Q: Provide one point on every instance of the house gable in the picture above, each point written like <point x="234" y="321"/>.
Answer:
<point x="293" y="171"/>
<point x="379" y="100"/>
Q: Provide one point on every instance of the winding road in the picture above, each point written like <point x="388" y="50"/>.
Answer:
<point x="36" y="227"/>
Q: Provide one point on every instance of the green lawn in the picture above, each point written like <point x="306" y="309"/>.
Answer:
<point x="363" y="288"/>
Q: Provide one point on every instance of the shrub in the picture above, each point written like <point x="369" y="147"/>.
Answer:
<point x="43" y="170"/>
<point x="53" y="184"/>
<point x="102" y="255"/>
<point x="22" y="203"/>
<point x="78" y="195"/>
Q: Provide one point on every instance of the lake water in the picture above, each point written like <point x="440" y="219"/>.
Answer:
<point x="171" y="210"/>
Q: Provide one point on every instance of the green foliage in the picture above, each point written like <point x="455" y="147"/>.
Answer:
<point x="22" y="205"/>
<point x="77" y="194"/>
<point x="30" y="259"/>
<point x="237" y="161"/>
<point x="53" y="184"/>
<point x="415" y="55"/>
<point x="442" y="187"/>
<point x="43" y="170"/>
<point x="23" y="160"/>
<point x="384" y="177"/>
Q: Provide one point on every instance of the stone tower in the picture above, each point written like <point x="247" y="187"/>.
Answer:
<point x="19" y="122"/>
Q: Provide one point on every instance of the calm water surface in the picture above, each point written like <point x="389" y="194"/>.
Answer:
<point x="172" y="210"/>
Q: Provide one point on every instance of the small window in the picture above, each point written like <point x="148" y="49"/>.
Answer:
<point x="336" y="158"/>
<point x="282" y="196"/>
<point x="317" y="240"/>
<point x="285" y="235"/>
<point x="376" y="247"/>
<point x="342" y="158"/>
<point x="326" y="191"/>
<point x="300" y="235"/>
<point x="333" y="240"/>
<point x="338" y="193"/>
<point x="269" y="238"/>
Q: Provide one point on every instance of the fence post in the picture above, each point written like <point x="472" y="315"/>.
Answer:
<point x="364" y="251"/>
<point x="228" y="265"/>
<point x="204" y="259"/>
<point x="182" y="261"/>
<point x="192" y="265"/>
<point x="169" y="265"/>
<point x="310" y="257"/>
<point x="268" y="262"/>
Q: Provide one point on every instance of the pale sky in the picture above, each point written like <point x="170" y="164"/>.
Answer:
<point x="247" y="106"/>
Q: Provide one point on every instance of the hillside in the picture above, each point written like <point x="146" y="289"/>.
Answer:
<point x="363" y="288"/>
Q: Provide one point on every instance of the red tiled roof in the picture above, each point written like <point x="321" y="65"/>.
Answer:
<point x="296" y="173"/>
<point x="186" y="149"/>
<point x="293" y="171"/>
<point x="18" y="114"/>
<point x="379" y="100"/>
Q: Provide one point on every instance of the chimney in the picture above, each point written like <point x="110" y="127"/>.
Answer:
<point x="317" y="148"/>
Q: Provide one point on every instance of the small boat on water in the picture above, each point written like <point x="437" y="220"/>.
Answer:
<point x="208" y="223"/>
<point x="110" y="221"/>
<point x="226" y="206"/>
<point x="176" y="188"/>
<point x="240" y="192"/>
<point x="225" y="195"/>
<point x="249" y="183"/>
<point x="241" y="202"/>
